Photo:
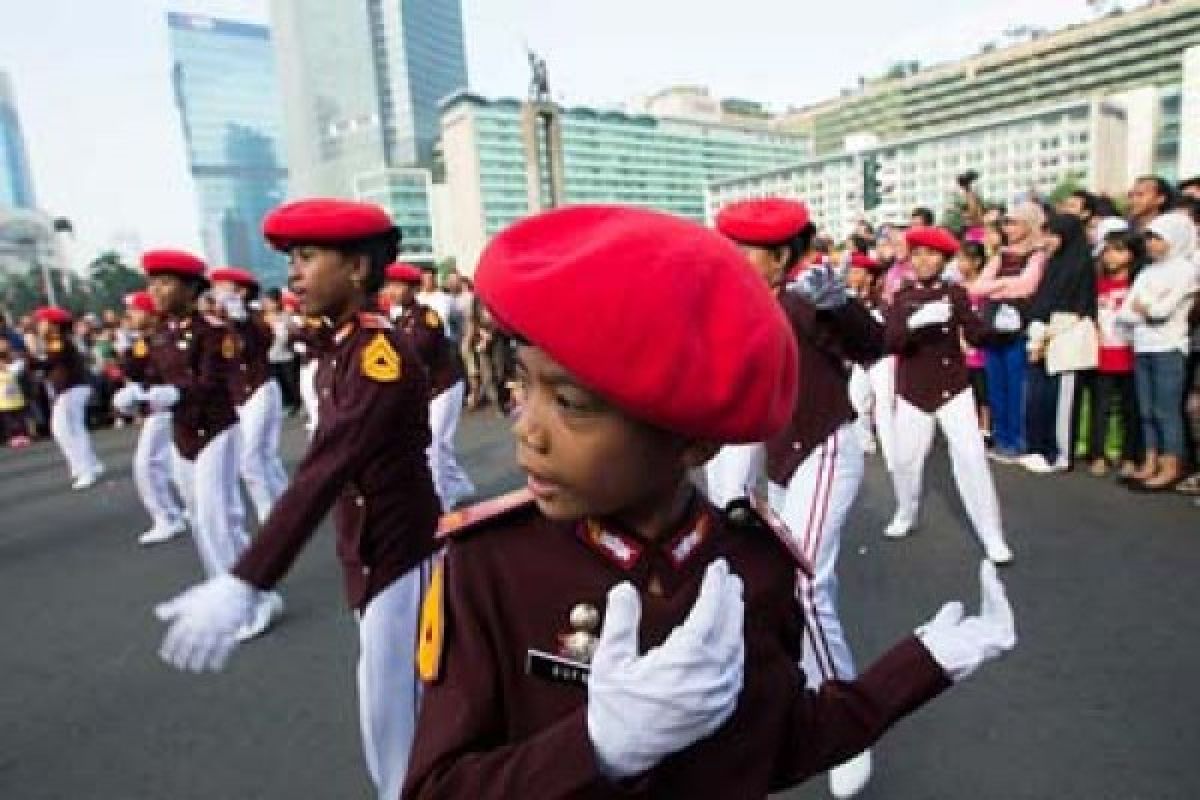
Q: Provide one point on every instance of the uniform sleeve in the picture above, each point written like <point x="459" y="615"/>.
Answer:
<point x="896" y="333"/>
<point x="849" y="332"/>
<point x="974" y="329"/>
<point x="345" y="437"/>
<point x="460" y="747"/>
<point x="842" y="718"/>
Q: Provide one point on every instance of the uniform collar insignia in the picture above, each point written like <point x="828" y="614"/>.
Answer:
<point x="619" y="548"/>
<point x="687" y="542"/>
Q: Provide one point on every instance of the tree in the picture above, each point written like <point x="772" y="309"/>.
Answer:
<point x="109" y="280"/>
<point x="1071" y="182"/>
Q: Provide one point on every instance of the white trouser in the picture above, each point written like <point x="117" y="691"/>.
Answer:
<point x="210" y="490"/>
<point x="733" y="470"/>
<point x="389" y="690"/>
<point x="449" y="479"/>
<point x="968" y="458"/>
<point x="814" y="506"/>
<point x="882" y="376"/>
<point x="152" y="471"/>
<point x="862" y="400"/>
<point x="259" y="420"/>
<point x="68" y="426"/>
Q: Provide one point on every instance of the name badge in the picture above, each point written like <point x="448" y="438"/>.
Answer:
<point x="556" y="669"/>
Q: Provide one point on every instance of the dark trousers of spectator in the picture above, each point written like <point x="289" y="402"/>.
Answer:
<point x="496" y="369"/>
<point x="12" y="425"/>
<point x="287" y="375"/>
<point x="1160" y="399"/>
<point x="1005" y="366"/>
<point x="1051" y="413"/>
<point x="1115" y="392"/>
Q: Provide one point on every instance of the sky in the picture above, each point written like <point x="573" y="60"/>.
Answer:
<point x="93" y="90"/>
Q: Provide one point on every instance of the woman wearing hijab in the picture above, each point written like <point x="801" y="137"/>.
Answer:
<point x="1062" y="343"/>
<point x="1157" y="311"/>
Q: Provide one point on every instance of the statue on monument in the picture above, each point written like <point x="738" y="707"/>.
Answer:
<point x="539" y="81"/>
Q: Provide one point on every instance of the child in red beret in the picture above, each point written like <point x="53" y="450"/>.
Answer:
<point x="366" y="462"/>
<point x="607" y="632"/>
<point x="926" y="325"/>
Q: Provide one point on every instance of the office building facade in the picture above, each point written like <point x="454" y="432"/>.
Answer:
<point x="494" y="176"/>
<point x="1086" y="141"/>
<point x="16" y="183"/>
<point x="226" y="91"/>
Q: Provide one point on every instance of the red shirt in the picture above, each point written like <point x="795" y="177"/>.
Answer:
<point x="1116" y="352"/>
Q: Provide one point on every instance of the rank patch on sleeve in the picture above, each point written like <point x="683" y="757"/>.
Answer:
<point x="229" y="345"/>
<point x="140" y="350"/>
<point x="432" y="319"/>
<point x="433" y="629"/>
<point x="380" y="362"/>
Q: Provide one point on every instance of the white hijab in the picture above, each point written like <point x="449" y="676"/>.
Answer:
<point x="1179" y="232"/>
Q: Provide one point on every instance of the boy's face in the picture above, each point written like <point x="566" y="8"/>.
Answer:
<point x="399" y="293"/>
<point x="324" y="279"/>
<point x="140" y="320"/>
<point x="858" y="279"/>
<point x="229" y="289"/>
<point x="584" y="457"/>
<point x="927" y="262"/>
<point x="171" y="295"/>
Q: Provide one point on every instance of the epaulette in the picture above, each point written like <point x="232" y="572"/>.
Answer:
<point x="371" y="321"/>
<point x="752" y="513"/>
<point x="464" y="520"/>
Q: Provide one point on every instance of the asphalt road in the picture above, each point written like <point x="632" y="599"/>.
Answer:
<point x="1100" y="700"/>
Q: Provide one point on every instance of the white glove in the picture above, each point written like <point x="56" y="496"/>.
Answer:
<point x="961" y="645"/>
<point x="126" y="399"/>
<point x="161" y="398"/>
<point x="234" y="307"/>
<point x="936" y="313"/>
<point x="204" y="622"/>
<point x="642" y="709"/>
<point x="1007" y="319"/>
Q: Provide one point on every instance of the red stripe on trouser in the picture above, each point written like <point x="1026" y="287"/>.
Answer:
<point x="805" y="589"/>
<point x="816" y="547"/>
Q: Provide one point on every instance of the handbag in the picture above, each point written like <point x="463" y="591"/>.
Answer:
<point x="1073" y="344"/>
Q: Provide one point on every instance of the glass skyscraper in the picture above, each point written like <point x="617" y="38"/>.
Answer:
<point x="361" y="85"/>
<point x="225" y="84"/>
<point x="16" y="186"/>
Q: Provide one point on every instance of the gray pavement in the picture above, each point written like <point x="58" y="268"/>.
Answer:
<point x="1100" y="701"/>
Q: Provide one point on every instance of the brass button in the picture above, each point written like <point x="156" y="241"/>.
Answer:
<point x="797" y="446"/>
<point x="359" y="501"/>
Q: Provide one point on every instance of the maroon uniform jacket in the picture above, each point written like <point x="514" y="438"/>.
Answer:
<point x="826" y="341"/>
<point x="136" y="364"/>
<point x="424" y="330"/>
<point x="196" y="355"/>
<point x="367" y="459"/>
<point x="491" y="728"/>
<point x="253" y="369"/>
<point x="63" y="364"/>
<point x="930" y="367"/>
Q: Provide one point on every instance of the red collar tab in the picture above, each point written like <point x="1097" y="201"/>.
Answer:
<point x="687" y="542"/>
<point x="623" y="550"/>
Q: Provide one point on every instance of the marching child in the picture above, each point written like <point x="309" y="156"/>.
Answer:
<point x="152" y="458"/>
<point x="607" y="632"/>
<point x="926" y="325"/>
<point x="366" y="461"/>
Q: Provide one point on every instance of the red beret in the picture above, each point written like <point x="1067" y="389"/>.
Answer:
<point x="864" y="261"/>
<point x="403" y="272"/>
<point x="140" y="301"/>
<point x="172" y="262"/>
<point x="324" y="221"/>
<point x="661" y="316"/>
<point x="769" y="221"/>
<point x="242" y="277"/>
<point x="934" y="238"/>
<point x="53" y="314"/>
